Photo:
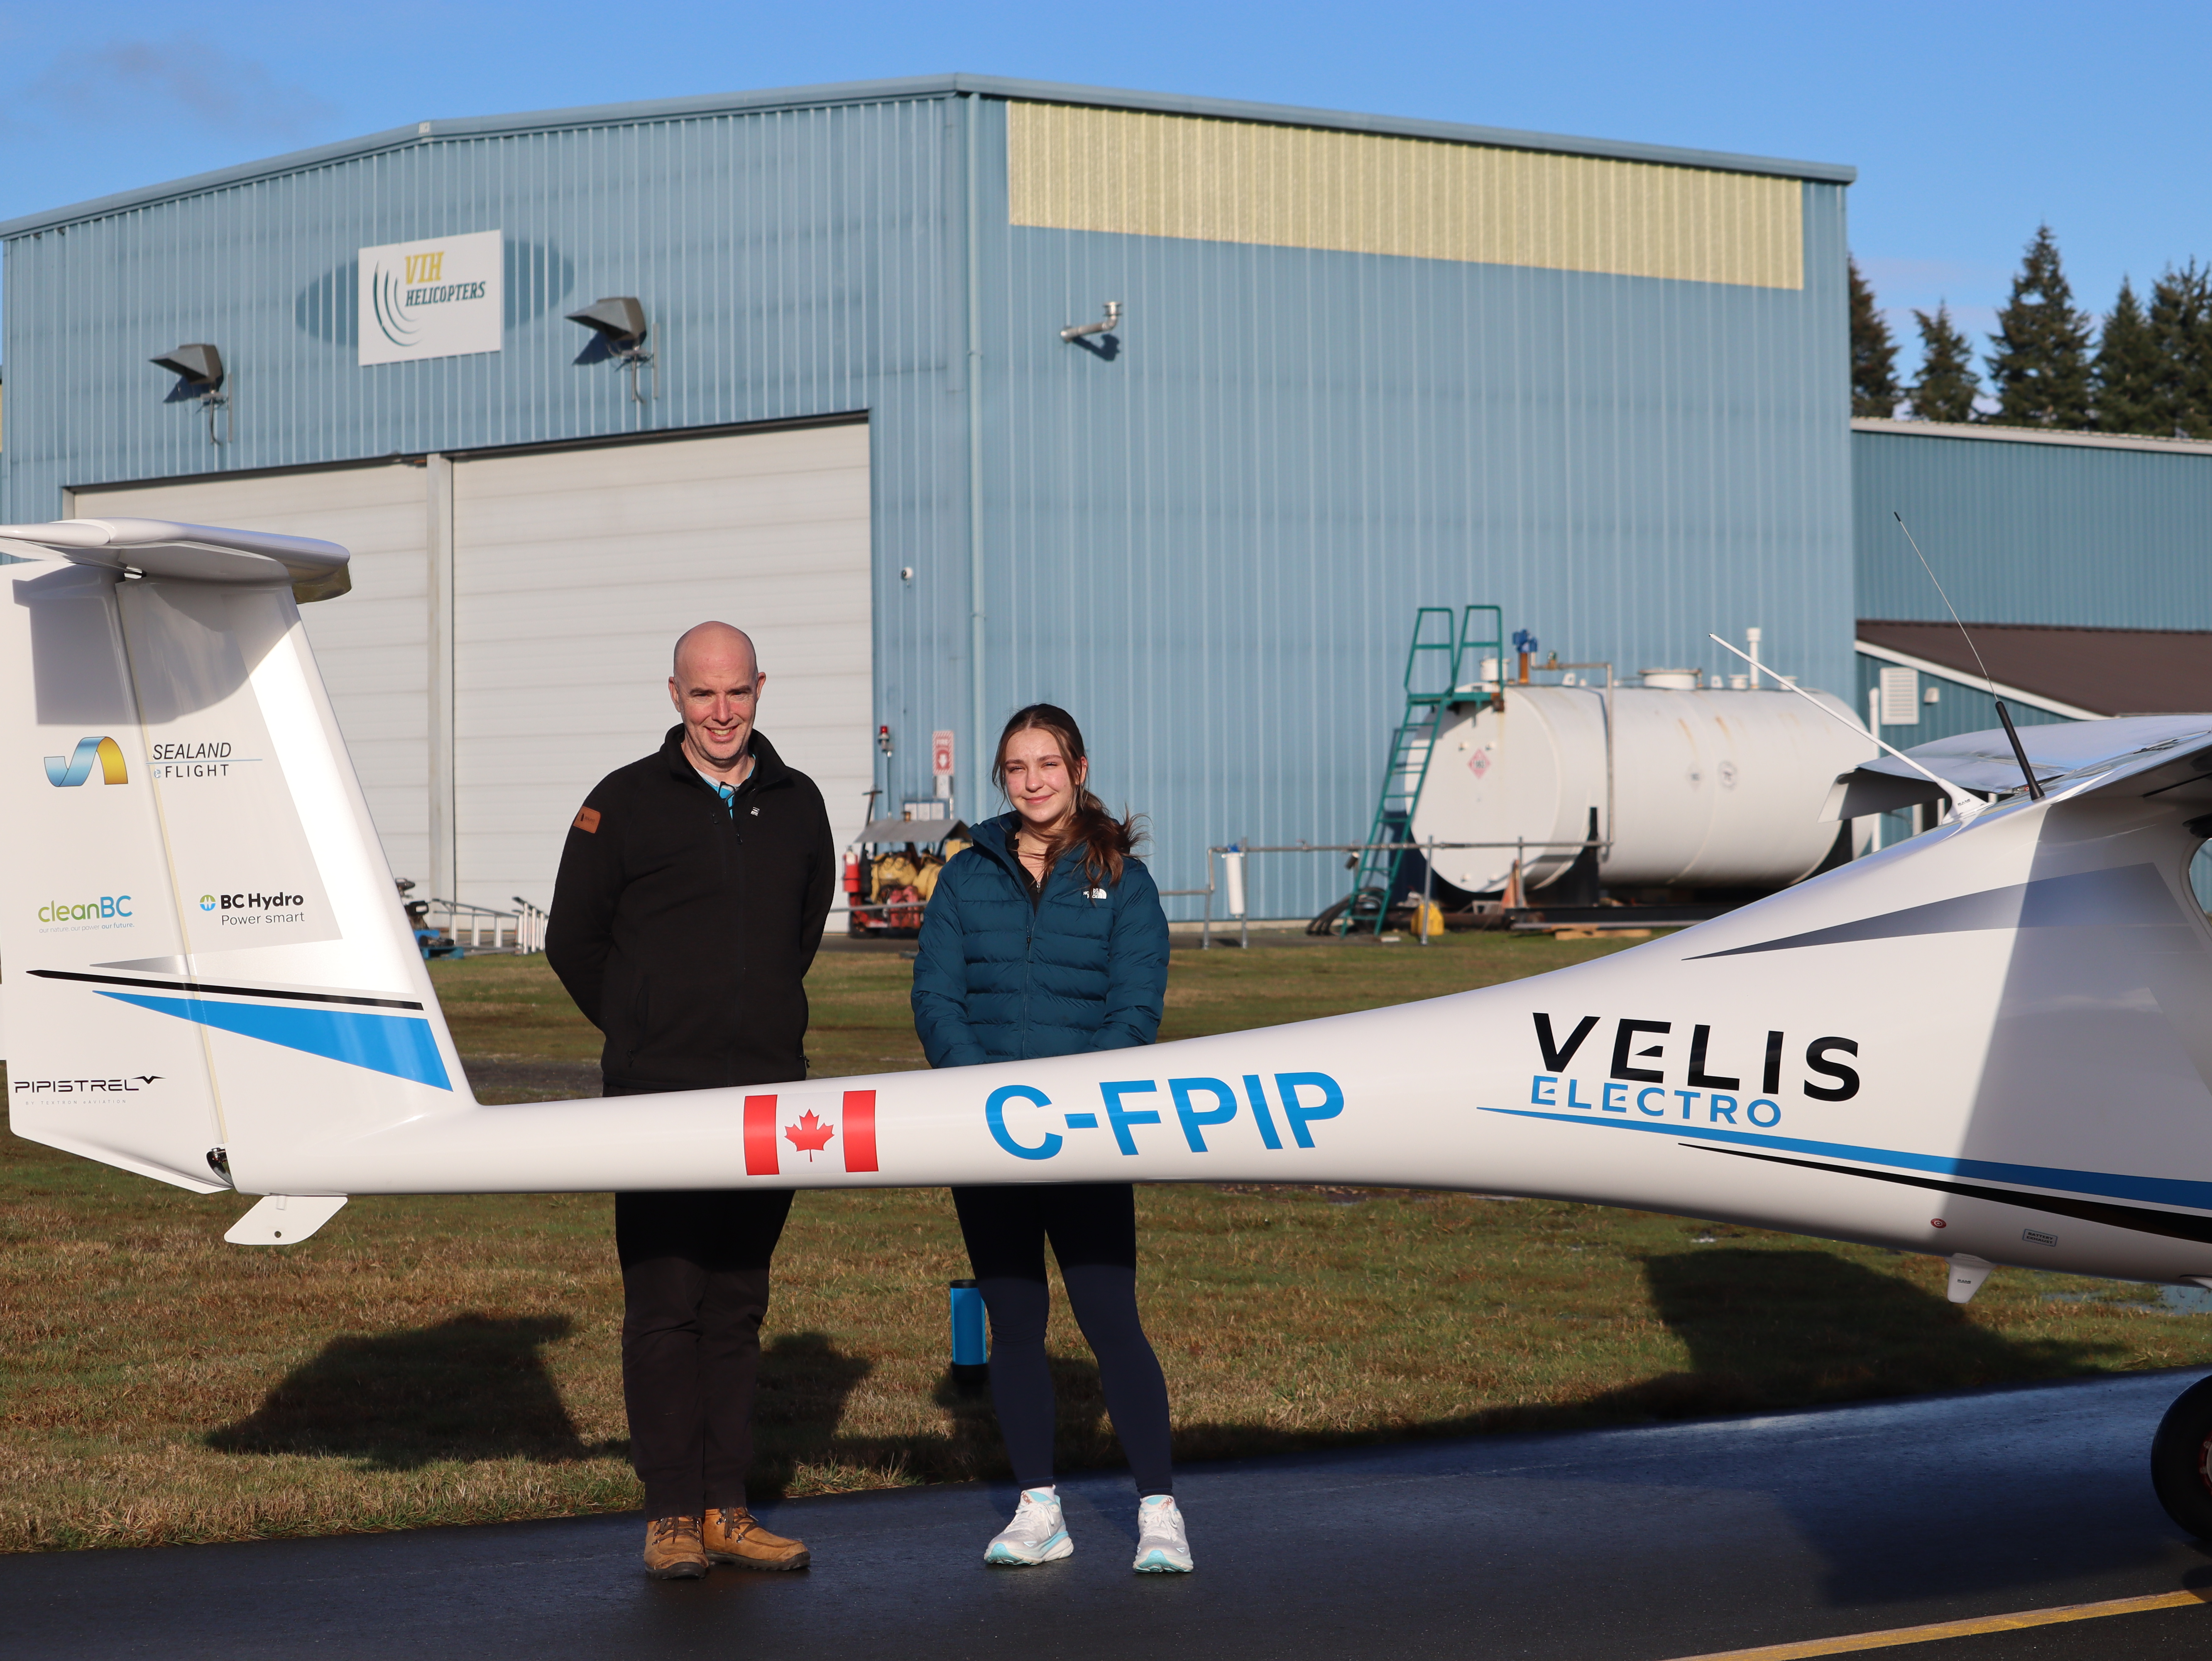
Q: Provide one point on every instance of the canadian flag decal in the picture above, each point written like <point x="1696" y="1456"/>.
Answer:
<point x="821" y="1128"/>
<point x="810" y="1135"/>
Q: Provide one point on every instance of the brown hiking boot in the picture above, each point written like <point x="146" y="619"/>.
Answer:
<point x="735" y="1535"/>
<point x="672" y="1550"/>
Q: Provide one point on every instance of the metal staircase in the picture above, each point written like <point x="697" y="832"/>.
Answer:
<point x="1441" y="666"/>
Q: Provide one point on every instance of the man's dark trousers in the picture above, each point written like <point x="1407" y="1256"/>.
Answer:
<point x="694" y="1286"/>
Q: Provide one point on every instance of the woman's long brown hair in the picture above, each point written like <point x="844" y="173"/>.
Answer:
<point x="1106" y="842"/>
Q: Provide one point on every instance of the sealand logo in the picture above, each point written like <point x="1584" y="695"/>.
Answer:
<point x="194" y="758"/>
<point x="65" y="771"/>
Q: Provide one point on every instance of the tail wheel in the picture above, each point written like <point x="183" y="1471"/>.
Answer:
<point x="2181" y="1460"/>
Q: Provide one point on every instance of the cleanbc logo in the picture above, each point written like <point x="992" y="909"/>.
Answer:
<point x="77" y="768"/>
<point x="92" y="910"/>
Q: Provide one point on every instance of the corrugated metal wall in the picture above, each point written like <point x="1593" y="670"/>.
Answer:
<point x="2033" y="533"/>
<point x="1959" y="707"/>
<point x="2024" y="531"/>
<point x="1209" y="543"/>
<point x="1144" y="173"/>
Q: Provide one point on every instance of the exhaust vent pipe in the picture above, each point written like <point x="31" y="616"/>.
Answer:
<point x="1106" y="324"/>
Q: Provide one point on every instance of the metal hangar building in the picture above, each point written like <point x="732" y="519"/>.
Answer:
<point x="2078" y="558"/>
<point x="1358" y="365"/>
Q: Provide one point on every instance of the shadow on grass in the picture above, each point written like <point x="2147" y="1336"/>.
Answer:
<point x="804" y="1383"/>
<point x="1770" y="1329"/>
<point x="1766" y="1331"/>
<point x="474" y="1387"/>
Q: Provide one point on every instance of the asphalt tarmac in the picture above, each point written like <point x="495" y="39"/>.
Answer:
<point x="1623" y="1545"/>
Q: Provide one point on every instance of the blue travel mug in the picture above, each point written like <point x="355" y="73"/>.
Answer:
<point x="971" y="1368"/>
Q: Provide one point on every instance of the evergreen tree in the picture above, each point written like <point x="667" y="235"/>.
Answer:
<point x="2124" y="380"/>
<point x="1874" y="391"/>
<point x="1947" y="385"/>
<point x="2181" y="328"/>
<point x="2041" y="367"/>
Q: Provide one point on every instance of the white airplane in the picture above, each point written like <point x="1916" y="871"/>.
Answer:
<point x="1990" y="1043"/>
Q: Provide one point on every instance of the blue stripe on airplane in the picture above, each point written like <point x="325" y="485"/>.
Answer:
<point x="401" y="1045"/>
<point x="2161" y="1190"/>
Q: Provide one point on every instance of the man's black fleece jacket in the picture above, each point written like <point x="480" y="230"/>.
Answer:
<point x="684" y="932"/>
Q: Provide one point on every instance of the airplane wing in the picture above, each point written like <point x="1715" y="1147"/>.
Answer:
<point x="160" y="547"/>
<point x="2069" y="758"/>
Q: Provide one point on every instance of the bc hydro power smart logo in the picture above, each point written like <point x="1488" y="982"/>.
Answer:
<point x="255" y="909"/>
<point x="62" y="772"/>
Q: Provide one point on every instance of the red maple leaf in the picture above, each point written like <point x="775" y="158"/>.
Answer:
<point x="809" y="1134"/>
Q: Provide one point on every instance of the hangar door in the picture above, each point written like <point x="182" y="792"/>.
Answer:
<point x="570" y="573"/>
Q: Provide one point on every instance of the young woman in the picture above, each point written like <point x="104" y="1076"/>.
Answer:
<point x="1046" y="938"/>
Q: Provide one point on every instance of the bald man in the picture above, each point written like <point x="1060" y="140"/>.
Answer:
<point x="691" y="897"/>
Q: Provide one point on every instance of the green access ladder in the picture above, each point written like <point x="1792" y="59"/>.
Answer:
<point x="1440" y="661"/>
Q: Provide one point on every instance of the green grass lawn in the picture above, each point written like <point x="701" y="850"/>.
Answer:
<point x="451" y="1360"/>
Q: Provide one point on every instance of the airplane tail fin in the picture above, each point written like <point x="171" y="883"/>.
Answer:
<point x="205" y="955"/>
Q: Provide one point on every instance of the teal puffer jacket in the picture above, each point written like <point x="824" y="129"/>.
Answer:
<point x="997" y="979"/>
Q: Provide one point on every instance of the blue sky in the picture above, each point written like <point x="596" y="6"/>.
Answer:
<point x="1969" y="123"/>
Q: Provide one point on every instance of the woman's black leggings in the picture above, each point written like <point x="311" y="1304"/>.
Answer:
<point x="1093" y="1228"/>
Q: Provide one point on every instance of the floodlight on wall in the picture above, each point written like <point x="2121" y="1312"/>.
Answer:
<point x="200" y="375"/>
<point x="619" y="325"/>
<point x="1105" y="325"/>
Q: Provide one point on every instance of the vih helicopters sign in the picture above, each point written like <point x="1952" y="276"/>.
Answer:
<point x="440" y="298"/>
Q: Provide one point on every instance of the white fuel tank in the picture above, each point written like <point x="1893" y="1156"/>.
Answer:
<point x="1711" y="788"/>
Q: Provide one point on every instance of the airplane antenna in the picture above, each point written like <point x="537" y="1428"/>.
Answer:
<point x="2004" y="716"/>
<point x="1963" y="804"/>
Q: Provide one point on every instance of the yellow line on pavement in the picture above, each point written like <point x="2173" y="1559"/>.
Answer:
<point x="1854" y="1642"/>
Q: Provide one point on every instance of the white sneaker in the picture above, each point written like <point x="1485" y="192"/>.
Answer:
<point x="1161" y="1545"/>
<point x="1037" y="1534"/>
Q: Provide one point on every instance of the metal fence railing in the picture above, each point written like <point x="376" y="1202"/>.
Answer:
<point x="1231" y="884"/>
<point x="521" y="931"/>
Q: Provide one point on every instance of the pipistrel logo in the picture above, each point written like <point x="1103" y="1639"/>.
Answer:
<point x="62" y="772"/>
